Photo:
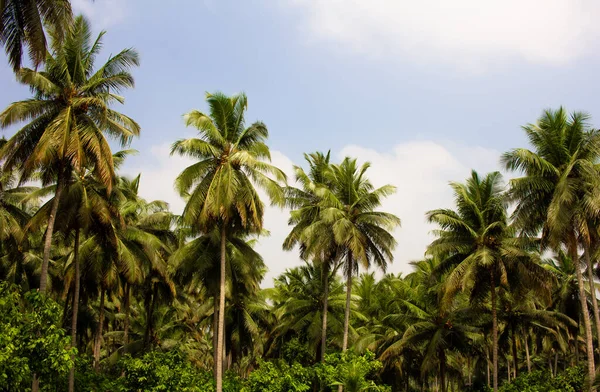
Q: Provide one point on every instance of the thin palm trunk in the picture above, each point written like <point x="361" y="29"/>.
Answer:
<point x="584" y="310"/>
<point x="591" y="280"/>
<point x="221" y="331"/>
<point x="487" y="358"/>
<point x="443" y="370"/>
<point x="527" y="355"/>
<point x="514" y="350"/>
<point x="215" y="333"/>
<point x="75" y="308"/>
<point x="99" y="337"/>
<point x="494" y="331"/>
<point x="126" y="321"/>
<point x="49" y="232"/>
<point x="348" y="298"/>
<point x="325" y="309"/>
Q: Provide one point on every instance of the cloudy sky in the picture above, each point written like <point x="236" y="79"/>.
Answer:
<point x="424" y="90"/>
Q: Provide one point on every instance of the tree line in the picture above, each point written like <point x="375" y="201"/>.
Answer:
<point x="508" y="285"/>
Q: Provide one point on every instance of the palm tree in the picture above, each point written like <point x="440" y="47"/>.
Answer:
<point x="320" y="247"/>
<point x="69" y="117"/>
<point x="560" y="191"/>
<point x="477" y="245"/>
<point x="363" y="234"/>
<point x="22" y="24"/>
<point x="298" y="298"/>
<point x="220" y="188"/>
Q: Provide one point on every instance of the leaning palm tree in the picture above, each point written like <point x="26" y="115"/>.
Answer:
<point x="363" y="234"/>
<point x="560" y="191"/>
<point x="477" y="246"/>
<point x="219" y="188"/>
<point x="69" y="117"/>
<point x="22" y="24"/>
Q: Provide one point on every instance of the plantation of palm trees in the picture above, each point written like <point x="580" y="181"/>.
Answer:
<point x="103" y="290"/>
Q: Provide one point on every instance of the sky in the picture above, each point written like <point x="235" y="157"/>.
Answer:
<point x="424" y="90"/>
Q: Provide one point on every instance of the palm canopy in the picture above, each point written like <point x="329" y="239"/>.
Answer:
<point x="349" y="210"/>
<point x="231" y="159"/>
<point x="560" y="188"/>
<point x="70" y="113"/>
<point x="22" y="24"/>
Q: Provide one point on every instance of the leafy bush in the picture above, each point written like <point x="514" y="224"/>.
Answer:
<point x="354" y="372"/>
<point x="541" y="381"/>
<point x="31" y="340"/>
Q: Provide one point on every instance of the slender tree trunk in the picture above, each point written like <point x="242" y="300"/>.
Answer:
<point x="508" y="368"/>
<point x="348" y="298"/>
<point x="75" y="308"/>
<point x="550" y="367"/>
<point x="215" y="333"/>
<point x="99" y="337"/>
<point x="49" y="232"/>
<point x="494" y="331"/>
<point x="150" y="318"/>
<point x="527" y="354"/>
<point x="487" y="357"/>
<point x="221" y="331"/>
<point x="556" y="362"/>
<point x="584" y="310"/>
<point x="127" y="311"/>
<point x="442" y="370"/>
<point x="325" y="309"/>
<point x="590" y="271"/>
<point x="514" y="350"/>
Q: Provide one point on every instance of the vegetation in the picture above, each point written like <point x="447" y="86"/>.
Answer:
<point x="102" y="290"/>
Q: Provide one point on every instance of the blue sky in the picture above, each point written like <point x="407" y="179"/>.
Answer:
<point x="425" y="90"/>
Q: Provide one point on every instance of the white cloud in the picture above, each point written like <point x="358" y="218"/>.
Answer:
<point x="420" y="170"/>
<point x="466" y="33"/>
<point x="102" y="13"/>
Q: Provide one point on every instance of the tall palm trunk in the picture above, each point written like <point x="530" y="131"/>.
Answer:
<point x="494" y="331"/>
<point x="75" y="308"/>
<point x="527" y="354"/>
<point x="584" y="310"/>
<point x="99" y="338"/>
<point x="514" y="350"/>
<point x="60" y="184"/>
<point x="348" y="298"/>
<point x="590" y="271"/>
<point x="325" y="309"/>
<point x="442" y="370"/>
<point x="127" y="311"/>
<point x="215" y="333"/>
<point x="221" y="331"/>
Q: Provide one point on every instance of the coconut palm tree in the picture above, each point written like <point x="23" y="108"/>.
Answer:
<point x="22" y="24"/>
<point x="559" y="192"/>
<point x="307" y="203"/>
<point x="220" y="187"/>
<point x="477" y="246"/>
<point x="69" y="117"/>
<point x="360" y="232"/>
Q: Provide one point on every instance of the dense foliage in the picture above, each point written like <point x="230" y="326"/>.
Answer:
<point x="102" y="290"/>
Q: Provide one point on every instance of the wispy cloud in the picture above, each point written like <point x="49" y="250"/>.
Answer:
<point x="464" y="33"/>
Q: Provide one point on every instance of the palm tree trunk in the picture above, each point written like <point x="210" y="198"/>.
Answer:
<point x="126" y="321"/>
<point x="443" y="370"/>
<point x="221" y="330"/>
<point x="527" y="355"/>
<point x="75" y="308"/>
<point x="514" y="350"/>
<point x="348" y="298"/>
<point x="99" y="338"/>
<point x="590" y="271"/>
<point x="494" y="331"/>
<point x="584" y="310"/>
<point x="508" y="368"/>
<point x="50" y="231"/>
<point x="325" y="309"/>
<point x="487" y="357"/>
<point x="215" y="333"/>
<point x="150" y="318"/>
